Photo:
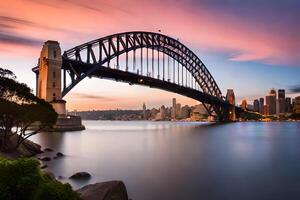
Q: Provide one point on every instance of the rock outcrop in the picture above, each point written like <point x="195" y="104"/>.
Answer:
<point x="111" y="190"/>
<point x="80" y="175"/>
<point x="27" y="148"/>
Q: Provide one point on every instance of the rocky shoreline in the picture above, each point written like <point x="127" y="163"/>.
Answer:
<point x="109" y="190"/>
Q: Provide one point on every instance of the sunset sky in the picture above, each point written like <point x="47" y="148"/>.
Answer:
<point x="248" y="45"/>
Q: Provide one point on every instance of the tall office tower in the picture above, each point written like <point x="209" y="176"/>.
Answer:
<point x="297" y="105"/>
<point x="261" y="105"/>
<point x="244" y="104"/>
<point x="162" y="112"/>
<point x="271" y="102"/>
<point x="266" y="110"/>
<point x="288" y="105"/>
<point x="178" y="110"/>
<point x="256" y="105"/>
<point x="173" y="114"/>
<point x="144" y="111"/>
<point x="230" y="97"/>
<point x="281" y="100"/>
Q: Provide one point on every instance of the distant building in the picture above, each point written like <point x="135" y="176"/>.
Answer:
<point x="281" y="101"/>
<point x="271" y="102"/>
<point x="153" y="113"/>
<point x="261" y="105"/>
<point x="266" y="110"/>
<point x="244" y="104"/>
<point x="297" y="105"/>
<point x="185" y="112"/>
<point x="178" y="109"/>
<point x="256" y="105"/>
<point x="144" y="111"/>
<point x="288" y="105"/>
<point x="162" y="112"/>
<point x="173" y="112"/>
<point x="199" y="113"/>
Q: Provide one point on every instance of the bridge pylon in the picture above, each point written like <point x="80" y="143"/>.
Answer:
<point x="48" y="85"/>
<point x="49" y="76"/>
<point x="231" y="113"/>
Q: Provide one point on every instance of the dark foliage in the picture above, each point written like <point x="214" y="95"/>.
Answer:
<point x="20" y="109"/>
<point x="21" y="179"/>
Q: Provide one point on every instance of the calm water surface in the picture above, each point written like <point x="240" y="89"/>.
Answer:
<point x="178" y="160"/>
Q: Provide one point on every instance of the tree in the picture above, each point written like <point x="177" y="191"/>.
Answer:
<point x="19" y="110"/>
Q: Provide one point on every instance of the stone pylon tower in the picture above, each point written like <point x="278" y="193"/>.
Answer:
<point x="49" y="80"/>
<point x="230" y="97"/>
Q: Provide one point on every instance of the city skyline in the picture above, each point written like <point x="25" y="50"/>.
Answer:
<point x="271" y="61"/>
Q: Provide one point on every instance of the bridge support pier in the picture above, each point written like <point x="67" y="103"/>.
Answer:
<point x="48" y="77"/>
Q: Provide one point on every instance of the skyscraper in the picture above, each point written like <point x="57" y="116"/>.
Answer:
<point x="281" y="100"/>
<point x="178" y="109"/>
<point x="297" y="105"/>
<point x="261" y="105"/>
<point x="271" y="102"/>
<point x="288" y="105"/>
<point x="144" y="111"/>
<point x="173" y="114"/>
<point x="256" y="105"/>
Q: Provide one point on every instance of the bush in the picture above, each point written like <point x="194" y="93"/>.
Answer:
<point x="21" y="179"/>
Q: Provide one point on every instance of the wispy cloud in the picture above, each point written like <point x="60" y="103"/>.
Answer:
<point x="295" y="89"/>
<point x="90" y="96"/>
<point x="19" y="40"/>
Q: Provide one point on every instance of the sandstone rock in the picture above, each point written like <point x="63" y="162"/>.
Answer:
<point x="45" y="158"/>
<point x="80" y="175"/>
<point x="44" y="166"/>
<point x="48" y="149"/>
<point x="111" y="190"/>
<point x="59" y="154"/>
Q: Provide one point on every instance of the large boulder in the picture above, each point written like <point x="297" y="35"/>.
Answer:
<point x="27" y="148"/>
<point x="80" y="175"/>
<point x="111" y="190"/>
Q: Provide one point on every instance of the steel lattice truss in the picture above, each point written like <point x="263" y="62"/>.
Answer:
<point x="99" y="53"/>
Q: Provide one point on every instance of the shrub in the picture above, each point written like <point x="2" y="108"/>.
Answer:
<point x="21" y="179"/>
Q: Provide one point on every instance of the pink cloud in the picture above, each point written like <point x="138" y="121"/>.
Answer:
<point x="74" y="22"/>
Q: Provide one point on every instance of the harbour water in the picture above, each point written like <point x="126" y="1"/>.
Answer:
<point x="183" y="160"/>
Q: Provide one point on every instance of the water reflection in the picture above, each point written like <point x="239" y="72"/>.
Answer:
<point x="166" y="160"/>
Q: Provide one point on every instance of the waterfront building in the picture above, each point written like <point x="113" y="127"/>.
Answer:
<point x="288" y="105"/>
<point x="153" y="113"/>
<point x="178" y="109"/>
<point x="185" y="112"/>
<point x="256" y="105"/>
<point x="281" y="101"/>
<point x="173" y="112"/>
<point x="230" y="97"/>
<point x="266" y="110"/>
<point x="162" y="112"/>
<point x="261" y="105"/>
<point x="297" y="105"/>
<point x="244" y="104"/>
<point x="199" y="113"/>
<point x="271" y="102"/>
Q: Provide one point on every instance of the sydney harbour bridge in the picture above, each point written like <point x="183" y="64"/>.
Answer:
<point x="142" y="58"/>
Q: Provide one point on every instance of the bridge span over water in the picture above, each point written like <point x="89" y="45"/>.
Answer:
<point x="142" y="58"/>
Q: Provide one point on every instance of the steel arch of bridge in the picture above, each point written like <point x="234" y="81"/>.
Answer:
<point x="80" y="66"/>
